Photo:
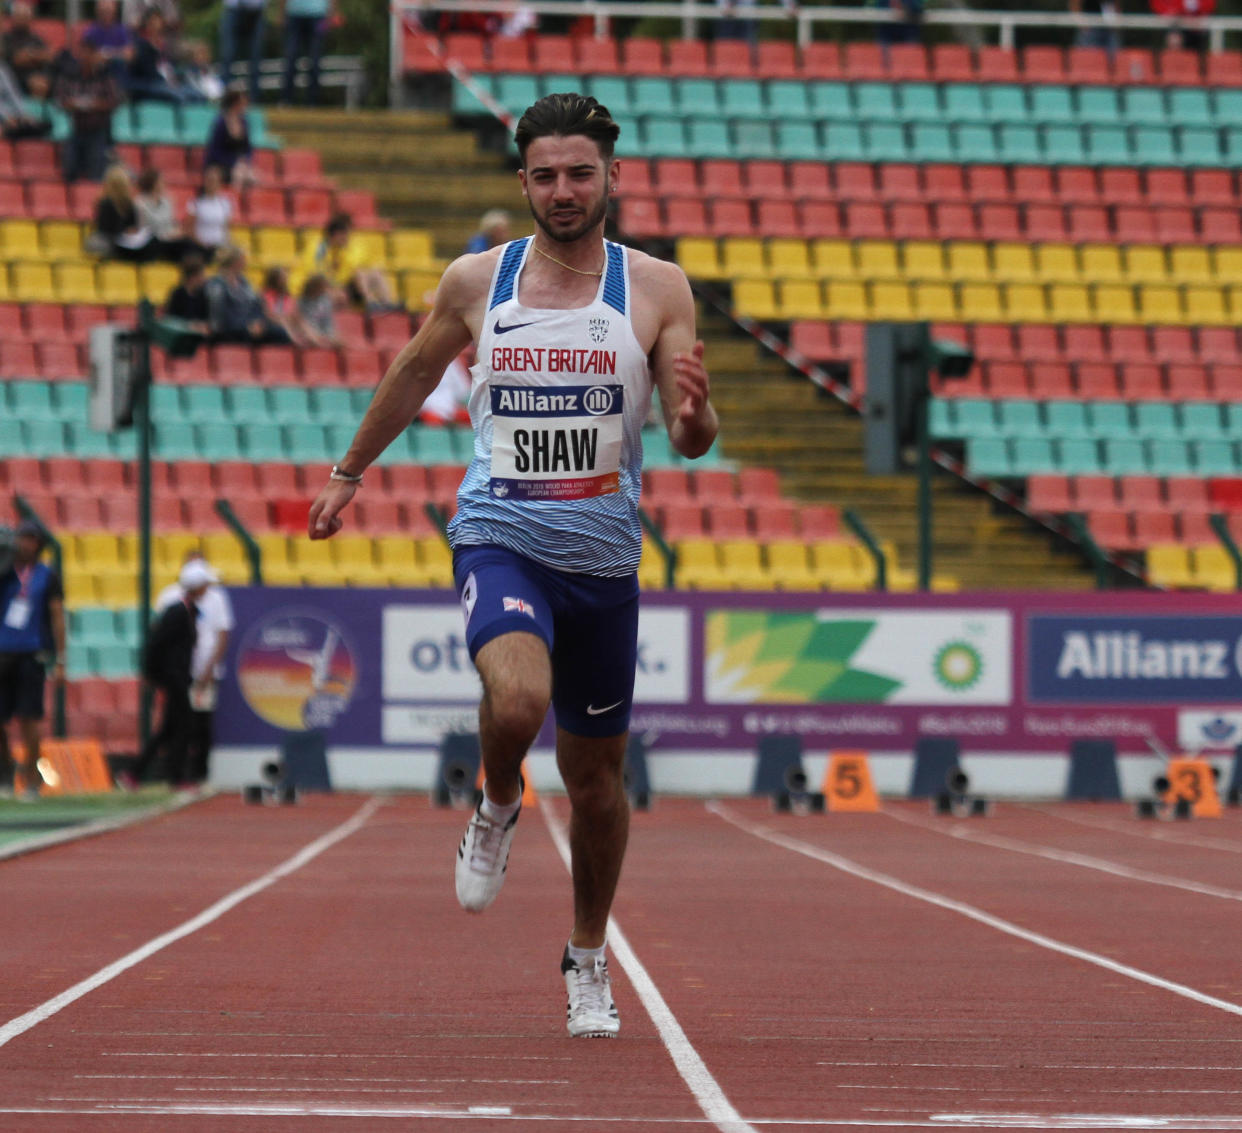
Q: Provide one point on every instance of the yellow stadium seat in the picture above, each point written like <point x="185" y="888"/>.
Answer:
<point x="1210" y="568"/>
<point x="877" y="259"/>
<point x="1191" y="264"/>
<point x="436" y="559"/>
<point x="1057" y="263"/>
<point x="418" y="289"/>
<point x="1101" y="263"/>
<point x="1205" y="305"/>
<point x="651" y="568"/>
<point x="1228" y="263"/>
<point x="1027" y="302"/>
<point x="1168" y="564"/>
<point x="741" y="563"/>
<point x="95" y="550"/>
<point x="844" y="300"/>
<point x="789" y="258"/>
<point x="117" y="284"/>
<point x="5" y="292"/>
<point x="370" y="240"/>
<point x="789" y="566"/>
<point x="60" y="240"/>
<point x="355" y="555"/>
<point x="396" y="560"/>
<point x="80" y="588"/>
<point x="1013" y="263"/>
<point x="1146" y="263"/>
<point x="19" y="240"/>
<point x="169" y="549"/>
<point x="969" y="262"/>
<point x="223" y="547"/>
<point x="742" y="257"/>
<point x="834" y="564"/>
<point x="980" y="302"/>
<point x="1114" y="303"/>
<point x="923" y="259"/>
<point x="698" y="567"/>
<point x="75" y="283"/>
<point x="32" y="282"/>
<point x="935" y="301"/>
<point x="242" y="238"/>
<point x="157" y="280"/>
<point x="411" y="248"/>
<point x="833" y="259"/>
<point x="1069" y="302"/>
<point x="117" y="589"/>
<point x="1158" y="303"/>
<point x="755" y="298"/>
<point x="274" y="245"/>
<point x="316" y="563"/>
<point x="891" y="301"/>
<point x="799" y="299"/>
<point x="698" y="257"/>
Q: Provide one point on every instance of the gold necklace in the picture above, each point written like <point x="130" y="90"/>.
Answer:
<point x="576" y="271"/>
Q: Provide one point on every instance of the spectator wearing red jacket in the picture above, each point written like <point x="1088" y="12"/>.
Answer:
<point x="1184" y="17"/>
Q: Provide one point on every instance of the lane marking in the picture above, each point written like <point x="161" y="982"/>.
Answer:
<point x="32" y="1018"/>
<point x="1141" y="830"/>
<point x="845" y="865"/>
<point x="693" y="1070"/>
<point x="1069" y="857"/>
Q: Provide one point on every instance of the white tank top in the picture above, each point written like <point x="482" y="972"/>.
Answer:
<point x="557" y="400"/>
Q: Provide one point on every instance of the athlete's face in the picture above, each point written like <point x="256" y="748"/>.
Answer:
<point x="567" y="183"/>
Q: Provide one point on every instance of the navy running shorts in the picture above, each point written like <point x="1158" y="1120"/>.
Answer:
<point x="589" y="624"/>
<point x="22" y="679"/>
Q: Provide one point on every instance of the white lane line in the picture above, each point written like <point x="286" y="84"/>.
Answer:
<point x="23" y="1023"/>
<point x="970" y="911"/>
<point x="1070" y="857"/>
<point x="1143" y="830"/>
<point x="693" y="1070"/>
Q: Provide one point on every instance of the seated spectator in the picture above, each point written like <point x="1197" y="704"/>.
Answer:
<point x="198" y="74"/>
<point x="317" y="311"/>
<point x="212" y="211"/>
<point x="228" y="144"/>
<point x="124" y="236"/>
<point x="447" y="404"/>
<point x="344" y="261"/>
<point x="284" y="309"/>
<point x="88" y="95"/>
<point x="112" y="38"/>
<point x="15" y="123"/>
<point x="155" y="212"/>
<point x="493" y="230"/>
<point x="151" y="75"/>
<point x="235" y="311"/>
<point x="27" y="52"/>
<point x="188" y="300"/>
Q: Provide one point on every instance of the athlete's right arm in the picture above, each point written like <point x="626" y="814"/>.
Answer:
<point x="414" y="373"/>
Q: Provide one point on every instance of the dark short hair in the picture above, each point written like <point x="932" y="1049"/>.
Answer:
<point x="192" y="263"/>
<point x="148" y="179"/>
<point x="338" y="222"/>
<point x="563" y="115"/>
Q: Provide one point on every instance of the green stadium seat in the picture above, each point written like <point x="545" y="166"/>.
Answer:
<point x="1019" y="144"/>
<point x="437" y="446"/>
<point x="611" y="90"/>
<point x="123" y="132"/>
<point x="843" y="141"/>
<point x="552" y="83"/>
<point x="1214" y="458"/>
<point x="920" y="102"/>
<point x="632" y="142"/>
<point x="126" y="620"/>
<point x="306" y="444"/>
<point x="83" y="441"/>
<point x="113" y="660"/>
<point x="1006" y="102"/>
<point x="1227" y="106"/>
<point x="800" y="141"/>
<point x="1067" y="419"/>
<point x="1198" y="146"/>
<point x="156" y="123"/>
<point x="1033" y="455"/>
<point x="256" y="123"/>
<point x="975" y="143"/>
<point x="1098" y="106"/>
<point x="885" y="141"/>
<point x="652" y="95"/>
<point x="1169" y="458"/>
<point x="1201" y="421"/>
<point x="988" y="456"/>
<point x="32" y="401"/>
<point x="217" y="441"/>
<point x="709" y="138"/>
<point x="467" y="103"/>
<point x="291" y="405"/>
<point x="1051" y="104"/>
<point x="1154" y="145"/>
<point x="1019" y="418"/>
<point x="1233" y="146"/>
<point x="941" y="419"/>
<point x="1189" y="106"/>
<point x="196" y="123"/>
<point x="78" y="658"/>
<point x="1124" y="456"/>
<point x="698" y="97"/>
<point x="399" y="452"/>
<point x="975" y="417"/>
<point x="166" y="406"/>
<point x="44" y="438"/>
<point x="876" y="102"/>
<point x="1063" y="145"/>
<point x="329" y="404"/>
<point x="1144" y="105"/>
<point x="931" y="142"/>
<point x="1156" y="420"/>
<point x="665" y="137"/>
<point x="832" y="101"/>
<point x="93" y="625"/>
<point x="1110" y="419"/>
<point x="516" y="92"/>
<point x="787" y="98"/>
<point x="753" y="140"/>
<point x="248" y="403"/>
<point x="204" y="405"/>
<point x="72" y="400"/>
<point x="1106" y="145"/>
<point x="964" y="102"/>
<point x="743" y="98"/>
<point x="1078" y="456"/>
<point x="260" y="441"/>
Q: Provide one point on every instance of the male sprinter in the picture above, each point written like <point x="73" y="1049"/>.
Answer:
<point x="570" y="332"/>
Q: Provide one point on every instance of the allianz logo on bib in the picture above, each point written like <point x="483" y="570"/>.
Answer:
<point x="561" y="401"/>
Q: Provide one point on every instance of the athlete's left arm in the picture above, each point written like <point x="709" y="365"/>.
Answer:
<point x="677" y="364"/>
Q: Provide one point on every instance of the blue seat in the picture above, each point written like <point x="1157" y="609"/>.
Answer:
<point x="1033" y="455"/>
<point x="701" y="97"/>
<point x="1214" y="458"/>
<point x="832" y="101"/>
<point x="920" y="102"/>
<point x="1169" y="458"/>
<point x="1078" y="456"/>
<point x="843" y="141"/>
<point x="988" y="456"/>
<point x="787" y="98"/>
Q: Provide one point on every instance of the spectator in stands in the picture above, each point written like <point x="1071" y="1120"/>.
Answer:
<point x="27" y="52"/>
<point x="241" y="31"/>
<point x="908" y="28"/>
<point x="317" y="311"/>
<point x="113" y="39"/>
<point x="124" y="236"/>
<point x="133" y="12"/>
<point x="306" y="24"/>
<point x="155" y="213"/>
<point x="228" y="145"/>
<point x="32" y="628"/>
<point x="88" y="96"/>
<point x="493" y="230"/>
<point x="151" y="73"/>
<point x="15" y="123"/>
<point x="197" y="72"/>
<point x="168" y="664"/>
<point x="214" y="625"/>
<point x="286" y="310"/>
<point x="1108" y="38"/>
<point x="447" y="403"/>
<point x="343" y="259"/>
<point x="1184" y="16"/>
<point x="235" y="312"/>
<point x="188" y="300"/>
<point x="729" y="26"/>
<point x="212" y="210"/>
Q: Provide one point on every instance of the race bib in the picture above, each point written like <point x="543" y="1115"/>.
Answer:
<point x="559" y="443"/>
<point x="17" y="616"/>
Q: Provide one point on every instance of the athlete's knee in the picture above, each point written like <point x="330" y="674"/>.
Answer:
<point x="595" y="787"/>
<point x="516" y="714"/>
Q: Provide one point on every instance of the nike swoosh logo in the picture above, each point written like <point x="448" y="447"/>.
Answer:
<point x="593" y="711"/>
<point x="498" y="329"/>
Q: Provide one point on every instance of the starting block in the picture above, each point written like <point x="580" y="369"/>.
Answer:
<point x="956" y="800"/>
<point x="847" y="782"/>
<point x="794" y="798"/>
<point x="275" y="790"/>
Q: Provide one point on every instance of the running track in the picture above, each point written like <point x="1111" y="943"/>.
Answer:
<point x="236" y="968"/>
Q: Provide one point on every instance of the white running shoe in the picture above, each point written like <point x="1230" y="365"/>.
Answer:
<point x="482" y="859"/>
<point x="591" y="1013"/>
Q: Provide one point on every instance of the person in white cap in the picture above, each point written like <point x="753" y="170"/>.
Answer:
<point x="166" y="664"/>
<point x="215" y="623"/>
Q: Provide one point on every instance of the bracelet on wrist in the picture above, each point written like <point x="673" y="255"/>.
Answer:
<point x="337" y="474"/>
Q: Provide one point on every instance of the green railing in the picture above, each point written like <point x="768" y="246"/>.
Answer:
<point x="667" y="553"/>
<point x="254" y="553"/>
<point x="1221" y="526"/>
<point x="855" y="523"/>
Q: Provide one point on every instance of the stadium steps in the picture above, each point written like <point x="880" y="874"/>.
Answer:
<point x="415" y="162"/>
<point x="817" y="446"/>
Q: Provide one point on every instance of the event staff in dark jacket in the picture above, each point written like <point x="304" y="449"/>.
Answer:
<point x="32" y="625"/>
<point x="167" y="664"/>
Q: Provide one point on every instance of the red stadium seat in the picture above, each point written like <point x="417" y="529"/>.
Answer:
<point x="1184" y="494"/>
<point x="1175" y="226"/>
<point x="998" y="222"/>
<point x="1141" y="381"/>
<point x="809" y="181"/>
<point x="1128" y="344"/>
<point x="1089" y="224"/>
<point x="1187" y="381"/>
<point x="636" y="176"/>
<point x="360" y="204"/>
<point x="677" y="177"/>
<point x="642" y="56"/>
<point x="720" y="177"/>
<point x="302" y="169"/>
<point x="1085" y="344"/>
<point x="1218" y="344"/>
<point x="59" y="360"/>
<point x="1046" y="223"/>
<point x="1088" y="66"/>
<point x="1043" y="64"/>
<point x="82" y="198"/>
<point x="17" y="360"/>
<point x="48" y="200"/>
<point x="731" y="59"/>
<point x="233" y="364"/>
<point x="1121" y="186"/>
<point x="380" y="516"/>
<point x="276" y="366"/>
<point x="1051" y="380"/>
<point x="390" y="330"/>
<point x="552" y="54"/>
<point x="1173" y="344"/>
<point x="775" y="520"/>
<point x="945" y="183"/>
<point x="598" y="55"/>
<point x="320" y="366"/>
<point x="855" y="181"/>
<point x="1032" y="184"/>
<point x="667" y="485"/>
<point x="275" y="479"/>
<point x="865" y="62"/>
<point x="728" y="521"/>
<point x="777" y="219"/>
<point x="1094" y="493"/>
<point x="1077" y="185"/>
<point x="1220" y="226"/>
<point x="901" y="182"/>
<point x="683" y="520"/>
<point x="994" y="342"/>
<point x="686" y="216"/>
<point x="765" y="181"/>
<point x="190" y="478"/>
<point x="1111" y="529"/>
<point x="1154" y="527"/>
<point x="1167" y="187"/>
<point x="864" y="221"/>
<point x="687" y="59"/>
<point x="956" y="222"/>
<point x="713" y="487"/>
<point x="1097" y="381"/>
<point x="907" y="62"/>
<point x="822" y="60"/>
<point x="1048" y="493"/>
<point x="758" y="486"/>
<point x="468" y="48"/>
<point x="1224" y="69"/>
<point x="310" y="208"/>
<point x="35" y="161"/>
<point x="1226" y="381"/>
<point x="820" y="521"/>
<point x="265" y="206"/>
<point x="988" y="183"/>
<point x="998" y="65"/>
<point x="952" y="63"/>
<point x="777" y="59"/>
<point x="1140" y="493"/>
<point x="510" y="53"/>
<point x="1007" y="380"/>
<point x="911" y="221"/>
<point x="1133" y="66"/>
<point x="235" y="480"/>
<point x="45" y="322"/>
<point x="813" y="340"/>
<point x="641" y="218"/>
<point x="731" y="218"/>
<point x="1196" y="531"/>
<point x="1180" y="68"/>
<point x="1212" y="187"/>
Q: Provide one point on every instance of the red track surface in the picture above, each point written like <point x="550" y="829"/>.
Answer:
<point x="352" y="993"/>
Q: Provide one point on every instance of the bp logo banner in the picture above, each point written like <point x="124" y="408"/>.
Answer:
<point x="962" y="657"/>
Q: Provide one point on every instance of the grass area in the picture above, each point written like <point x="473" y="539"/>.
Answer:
<point x="21" y="820"/>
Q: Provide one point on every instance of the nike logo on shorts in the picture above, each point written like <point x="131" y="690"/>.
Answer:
<point x="593" y="711"/>
<point x="498" y="329"/>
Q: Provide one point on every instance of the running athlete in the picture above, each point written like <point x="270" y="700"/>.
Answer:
<point x="570" y="333"/>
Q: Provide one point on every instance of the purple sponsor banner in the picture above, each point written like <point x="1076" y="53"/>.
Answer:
<point x="1001" y="672"/>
